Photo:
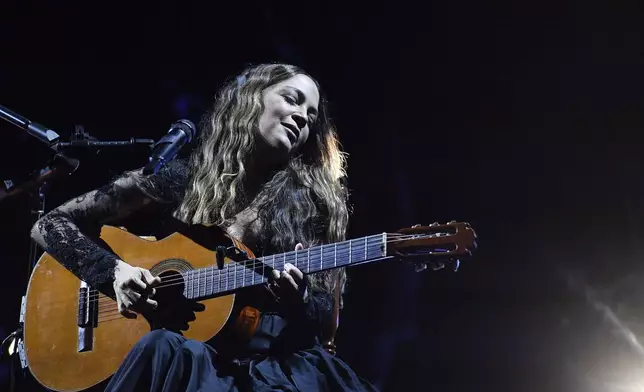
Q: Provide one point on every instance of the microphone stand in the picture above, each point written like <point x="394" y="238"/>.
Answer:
<point x="60" y="165"/>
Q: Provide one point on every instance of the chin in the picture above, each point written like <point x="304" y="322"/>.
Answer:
<point x="276" y="149"/>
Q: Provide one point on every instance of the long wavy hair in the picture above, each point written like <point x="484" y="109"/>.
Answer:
<point x="303" y="201"/>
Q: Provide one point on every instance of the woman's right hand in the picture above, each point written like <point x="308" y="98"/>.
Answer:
<point x="134" y="288"/>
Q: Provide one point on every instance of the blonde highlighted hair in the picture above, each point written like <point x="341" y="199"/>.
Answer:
<point x="303" y="201"/>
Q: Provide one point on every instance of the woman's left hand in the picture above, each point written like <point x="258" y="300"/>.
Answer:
<point x="291" y="280"/>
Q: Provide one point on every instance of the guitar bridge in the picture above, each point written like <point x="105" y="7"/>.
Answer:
<point x="87" y="317"/>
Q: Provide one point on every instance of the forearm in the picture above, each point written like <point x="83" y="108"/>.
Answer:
<point x="60" y="236"/>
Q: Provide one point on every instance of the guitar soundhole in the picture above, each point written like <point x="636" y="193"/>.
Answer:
<point x="175" y="311"/>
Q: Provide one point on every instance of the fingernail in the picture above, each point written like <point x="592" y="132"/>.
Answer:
<point x="288" y="266"/>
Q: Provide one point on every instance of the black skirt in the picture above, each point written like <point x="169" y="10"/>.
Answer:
<point x="166" y="361"/>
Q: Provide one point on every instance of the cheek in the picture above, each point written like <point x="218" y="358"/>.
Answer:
<point x="275" y="108"/>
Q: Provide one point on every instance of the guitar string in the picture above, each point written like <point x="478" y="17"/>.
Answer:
<point x="395" y="237"/>
<point x="118" y="316"/>
<point x="243" y="266"/>
<point x="246" y="266"/>
<point x="281" y="260"/>
<point x="289" y="256"/>
<point x="285" y="258"/>
<point x="231" y="279"/>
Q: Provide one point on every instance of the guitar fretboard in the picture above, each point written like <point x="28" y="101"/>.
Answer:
<point x="212" y="281"/>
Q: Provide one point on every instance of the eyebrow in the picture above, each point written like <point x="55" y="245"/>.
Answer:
<point x="300" y="96"/>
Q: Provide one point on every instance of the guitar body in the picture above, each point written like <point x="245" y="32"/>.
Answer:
<point x="51" y="331"/>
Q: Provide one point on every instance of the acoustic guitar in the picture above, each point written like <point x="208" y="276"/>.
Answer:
<point x="75" y="338"/>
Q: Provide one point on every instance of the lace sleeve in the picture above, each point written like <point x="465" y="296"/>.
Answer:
<point x="313" y="315"/>
<point x="67" y="231"/>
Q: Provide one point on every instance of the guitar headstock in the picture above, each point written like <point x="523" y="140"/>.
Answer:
<point x="435" y="245"/>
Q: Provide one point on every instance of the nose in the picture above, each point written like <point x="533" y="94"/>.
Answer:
<point x="299" y="119"/>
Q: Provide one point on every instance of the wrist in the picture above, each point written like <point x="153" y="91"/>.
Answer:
<point x="120" y="266"/>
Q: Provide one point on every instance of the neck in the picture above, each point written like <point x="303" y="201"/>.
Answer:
<point x="258" y="172"/>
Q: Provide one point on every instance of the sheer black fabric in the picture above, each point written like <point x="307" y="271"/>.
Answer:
<point x="283" y="354"/>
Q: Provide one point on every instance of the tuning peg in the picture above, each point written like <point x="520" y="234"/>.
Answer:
<point x="420" y="267"/>
<point x="434" y="224"/>
<point x="438" y="266"/>
<point x="417" y="225"/>
<point x="451" y="222"/>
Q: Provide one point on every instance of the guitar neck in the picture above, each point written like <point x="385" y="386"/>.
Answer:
<point x="211" y="281"/>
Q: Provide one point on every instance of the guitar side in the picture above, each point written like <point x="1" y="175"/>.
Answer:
<point x="51" y="331"/>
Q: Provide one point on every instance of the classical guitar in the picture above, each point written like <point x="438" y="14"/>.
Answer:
<point x="74" y="336"/>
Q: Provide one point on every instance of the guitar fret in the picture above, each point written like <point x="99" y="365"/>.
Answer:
<point x="365" y="249"/>
<point x="335" y="255"/>
<point x="212" y="280"/>
<point x="321" y="252"/>
<point x="192" y="284"/>
<point x="189" y="279"/>
<point x="209" y="279"/>
<point x="188" y="285"/>
<point x="308" y="260"/>
<point x="350" y="261"/>
<point x="242" y="270"/>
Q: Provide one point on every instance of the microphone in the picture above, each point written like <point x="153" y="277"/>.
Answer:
<point x="163" y="151"/>
<point x="36" y="130"/>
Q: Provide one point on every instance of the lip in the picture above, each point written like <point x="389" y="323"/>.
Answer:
<point x="293" y="132"/>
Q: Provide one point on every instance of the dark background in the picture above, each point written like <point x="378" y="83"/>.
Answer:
<point x="522" y="118"/>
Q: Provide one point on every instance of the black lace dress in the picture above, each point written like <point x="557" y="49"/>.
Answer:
<point x="283" y="354"/>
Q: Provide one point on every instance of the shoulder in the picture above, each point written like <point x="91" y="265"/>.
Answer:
<point x="169" y="184"/>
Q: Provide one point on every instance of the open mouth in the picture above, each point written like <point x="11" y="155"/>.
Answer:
<point x="292" y="132"/>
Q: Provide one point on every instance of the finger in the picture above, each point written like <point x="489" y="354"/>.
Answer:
<point x="137" y="284"/>
<point x="286" y="277"/>
<point x="133" y="300"/>
<point x="126" y="312"/>
<point x="276" y="275"/>
<point x="149" y="278"/>
<point x="133" y="296"/>
<point x="294" y="272"/>
<point x="152" y="303"/>
<point x="140" y="305"/>
<point x="299" y="246"/>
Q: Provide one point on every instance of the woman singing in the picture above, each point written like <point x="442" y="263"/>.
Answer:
<point x="267" y="171"/>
